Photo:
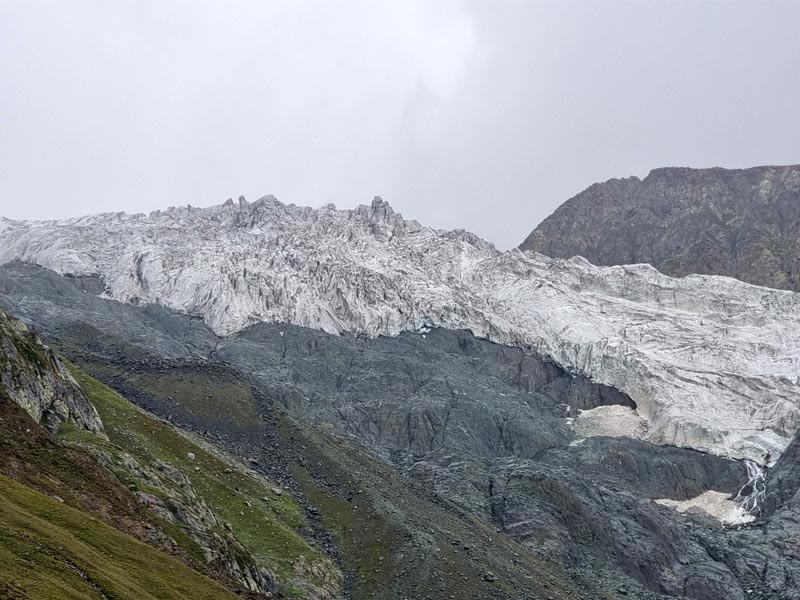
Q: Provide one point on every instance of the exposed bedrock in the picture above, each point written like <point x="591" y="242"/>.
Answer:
<point x="558" y="511"/>
<point x="737" y="222"/>
<point x="783" y="481"/>
<point x="36" y="379"/>
<point x="650" y="471"/>
<point x="418" y="393"/>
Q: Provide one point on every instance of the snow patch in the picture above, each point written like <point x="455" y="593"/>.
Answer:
<point x="614" y="421"/>
<point x="715" y="504"/>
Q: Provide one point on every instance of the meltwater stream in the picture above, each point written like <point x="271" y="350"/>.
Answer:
<point x="752" y="494"/>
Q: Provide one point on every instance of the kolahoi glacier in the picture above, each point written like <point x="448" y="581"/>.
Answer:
<point x="711" y="363"/>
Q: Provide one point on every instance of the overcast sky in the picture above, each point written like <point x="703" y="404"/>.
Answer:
<point x="484" y="115"/>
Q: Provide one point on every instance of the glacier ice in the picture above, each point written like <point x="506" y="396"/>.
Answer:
<point x="711" y="363"/>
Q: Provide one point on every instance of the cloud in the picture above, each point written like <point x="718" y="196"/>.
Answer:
<point x="477" y="114"/>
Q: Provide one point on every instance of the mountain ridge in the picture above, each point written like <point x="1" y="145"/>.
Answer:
<point x="741" y="223"/>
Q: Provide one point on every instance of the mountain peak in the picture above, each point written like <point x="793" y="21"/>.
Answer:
<point x="736" y="222"/>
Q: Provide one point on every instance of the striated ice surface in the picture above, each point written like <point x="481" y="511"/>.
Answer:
<point x="712" y="363"/>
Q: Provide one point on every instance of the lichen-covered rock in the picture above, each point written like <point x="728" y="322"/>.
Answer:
<point x="36" y="379"/>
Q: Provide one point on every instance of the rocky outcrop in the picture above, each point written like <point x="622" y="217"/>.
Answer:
<point x="743" y="223"/>
<point x="568" y="516"/>
<point x="36" y="379"/>
<point x="148" y="501"/>
<point x="783" y="483"/>
<point x="172" y="497"/>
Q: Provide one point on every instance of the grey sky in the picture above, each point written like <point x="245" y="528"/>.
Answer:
<point x="484" y="115"/>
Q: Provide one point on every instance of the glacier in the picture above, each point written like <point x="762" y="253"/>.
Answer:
<point x="711" y="363"/>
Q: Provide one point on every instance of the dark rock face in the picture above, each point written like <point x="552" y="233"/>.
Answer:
<point x="783" y="484"/>
<point x="576" y="519"/>
<point x="477" y="425"/>
<point x="647" y="470"/>
<point x="740" y="223"/>
<point x="417" y="393"/>
<point x="34" y="377"/>
<point x="60" y="301"/>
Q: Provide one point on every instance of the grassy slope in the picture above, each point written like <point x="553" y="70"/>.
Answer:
<point x="49" y="550"/>
<point x="396" y="543"/>
<point x="268" y="528"/>
<point x="203" y="401"/>
<point x="30" y="455"/>
<point x="395" y="540"/>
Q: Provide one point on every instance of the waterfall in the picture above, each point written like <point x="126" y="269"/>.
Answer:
<point x="752" y="493"/>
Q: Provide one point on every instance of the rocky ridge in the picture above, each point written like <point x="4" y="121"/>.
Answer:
<point x="743" y="223"/>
